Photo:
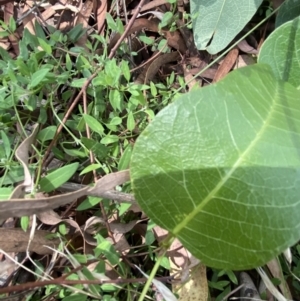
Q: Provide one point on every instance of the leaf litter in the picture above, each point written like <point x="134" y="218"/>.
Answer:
<point x="64" y="16"/>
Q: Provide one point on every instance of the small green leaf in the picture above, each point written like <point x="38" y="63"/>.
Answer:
<point x="58" y="177"/>
<point x="90" y="168"/>
<point x="165" y="263"/>
<point x="115" y="121"/>
<point x="125" y="70"/>
<point x="12" y="24"/>
<point x="6" y="144"/>
<point x="80" y="258"/>
<point x="125" y="159"/>
<point x="69" y="63"/>
<point x="78" y="83"/>
<point x="62" y="229"/>
<point x="145" y="39"/>
<point x="111" y="23"/>
<point x="88" y="203"/>
<point x="40" y="34"/>
<point x="75" y="297"/>
<point x="75" y="152"/>
<point x="47" y="133"/>
<point x="45" y="46"/>
<point x="24" y="222"/>
<point x="37" y="77"/>
<point x="153" y="89"/>
<point x="166" y="19"/>
<point x="109" y="139"/>
<point x="5" y="192"/>
<point x="94" y="124"/>
<point x="106" y="248"/>
<point x="115" y="99"/>
<point x="76" y="32"/>
<point x="130" y="121"/>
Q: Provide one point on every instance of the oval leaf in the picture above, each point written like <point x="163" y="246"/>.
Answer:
<point x="217" y="22"/>
<point x="281" y="52"/>
<point x="289" y="10"/>
<point x="58" y="177"/>
<point x="220" y="169"/>
<point x="93" y="123"/>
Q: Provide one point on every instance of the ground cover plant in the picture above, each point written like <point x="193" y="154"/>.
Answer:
<point x="128" y="154"/>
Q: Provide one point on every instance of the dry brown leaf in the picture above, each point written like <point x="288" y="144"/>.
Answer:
<point x="245" y="47"/>
<point x="226" y="65"/>
<point x="276" y="271"/>
<point x="121" y="244"/>
<point x="48" y="13"/>
<point x="189" y="78"/>
<point x="13" y="38"/>
<point x="49" y="217"/>
<point x="29" y="19"/>
<point x="22" y="207"/>
<point x="120" y="228"/>
<point x="248" y="291"/>
<point x="16" y="240"/>
<point x="69" y="13"/>
<point x="83" y="18"/>
<point x="244" y="60"/>
<point x="100" y="13"/>
<point x="26" y="207"/>
<point x="149" y="71"/>
<point x="196" y="289"/>
<point x="22" y="155"/>
<point x="109" y="182"/>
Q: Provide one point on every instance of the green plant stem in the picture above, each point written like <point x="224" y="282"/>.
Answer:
<point x="152" y="275"/>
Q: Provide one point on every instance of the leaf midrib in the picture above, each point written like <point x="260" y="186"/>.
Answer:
<point x="211" y="195"/>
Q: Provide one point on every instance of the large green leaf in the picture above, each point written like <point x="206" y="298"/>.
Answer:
<point x="281" y="52"/>
<point x="289" y="10"/>
<point x="220" y="169"/>
<point x="217" y="22"/>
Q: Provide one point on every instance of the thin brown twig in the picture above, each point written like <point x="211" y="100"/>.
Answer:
<point x="125" y="33"/>
<point x="89" y="80"/>
<point x="150" y="59"/>
<point x="62" y="281"/>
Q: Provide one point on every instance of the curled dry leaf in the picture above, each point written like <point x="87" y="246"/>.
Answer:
<point x="244" y="60"/>
<point x="248" y="290"/>
<point x="16" y="240"/>
<point x="22" y="155"/>
<point x="226" y="65"/>
<point x="148" y="73"/>
<point x="84" y="14"/>
<point x="245" y="47"/>
<point x="21" y="207"/>
<point x="100" y="8"/>
<point x="276" y="271"/>
<point x="109" y="182"/>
